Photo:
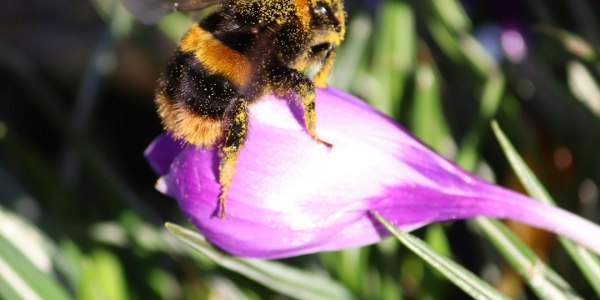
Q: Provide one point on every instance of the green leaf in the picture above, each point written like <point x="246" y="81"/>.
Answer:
<point x="19" y="276"/>
<point x="352" y="265"/>
<point x="461" y="277"/>
<point x="585" y="260"/>
<point x="573" y="43"/>
<point x="452" y="14"/>
<point x="428" y="121"/>
<point x="544" y="281"/>
<point x="394" y="54"/>
<point x="102" y="277"/>
<point x="26" y="257"/>
<point x="281" y="278"/>
<point x="175" y="25"/>
<point x="584" y="86"/>
<point x="451" y="29"/>
<point x="352" y="52"/>
<point x="491" y="97"/>
<point x="437" y="238"/>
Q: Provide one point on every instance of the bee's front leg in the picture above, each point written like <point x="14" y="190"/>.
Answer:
<point x="236" y="129"/>
<point x="285" y="80"/>
<point x="320" y="79"/>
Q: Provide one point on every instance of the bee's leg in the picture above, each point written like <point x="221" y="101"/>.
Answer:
<point x="287" y="79"/>
<point x="234" y="138"/>
<point x="320" y="79"/>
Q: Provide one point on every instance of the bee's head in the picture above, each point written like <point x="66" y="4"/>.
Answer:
<point x="327" y="22"/>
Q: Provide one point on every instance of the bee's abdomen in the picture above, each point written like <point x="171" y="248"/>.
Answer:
<point x="190" y="84"/>
<point x="216" y="57"/>
<point x="192" y="100"/>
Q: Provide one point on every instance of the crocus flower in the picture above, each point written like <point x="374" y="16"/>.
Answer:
<point x="292" y="196"/>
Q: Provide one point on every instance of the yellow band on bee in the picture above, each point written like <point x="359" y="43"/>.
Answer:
<point x="302" y="11"/>
<point x="216" y="57"/>
<point x="184" y="124"/>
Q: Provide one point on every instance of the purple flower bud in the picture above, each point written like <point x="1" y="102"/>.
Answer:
<point x="292" y="196"/>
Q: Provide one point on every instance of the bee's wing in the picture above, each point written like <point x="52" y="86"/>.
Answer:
<point x="150" y="11"/>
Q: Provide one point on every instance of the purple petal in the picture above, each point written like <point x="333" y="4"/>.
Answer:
<point x="161" y="153"/>
<point x="292" y="196"/>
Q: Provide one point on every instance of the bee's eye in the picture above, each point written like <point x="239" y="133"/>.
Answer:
<point x="324" y="15"/>
<point x="322" y="9"/>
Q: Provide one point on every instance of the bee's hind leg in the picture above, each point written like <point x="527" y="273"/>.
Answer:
<point x="236" y="128"/>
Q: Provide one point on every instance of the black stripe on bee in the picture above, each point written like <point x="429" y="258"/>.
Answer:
<point x="232" y="31"/>
<point x="190" y="84"/>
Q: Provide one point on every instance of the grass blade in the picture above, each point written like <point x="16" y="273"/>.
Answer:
<point x="428" y="121"/>
<point x="464" y="279"/>
<point x="21" y="277"/>
<point x="584" y="86"/>
<point x="281" y="278"/>
<point x="585" y="260"/>
<point x="394" y="54"/>
<point x="544" y="282"/>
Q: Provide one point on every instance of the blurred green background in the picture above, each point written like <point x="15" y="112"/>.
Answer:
<point x="79" y="217"/>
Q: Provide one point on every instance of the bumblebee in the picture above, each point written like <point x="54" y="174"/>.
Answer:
<point x="241" y="51"/>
